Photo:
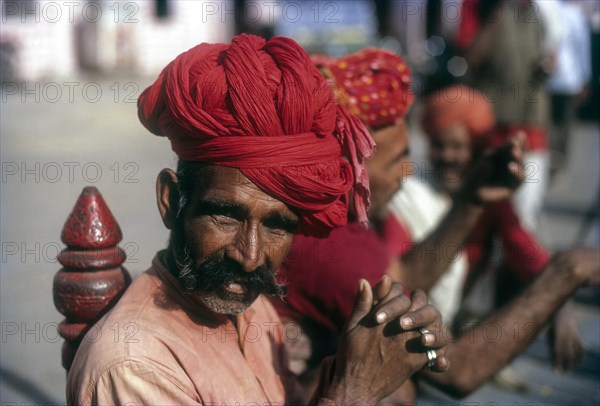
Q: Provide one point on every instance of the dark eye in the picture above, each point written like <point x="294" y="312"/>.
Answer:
<point x="282" y="225"/>
<point x="225" y="220"/>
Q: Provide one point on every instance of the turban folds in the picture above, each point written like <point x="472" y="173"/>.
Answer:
<point x="459" y="104"/>
<point x="262" y="107"/>
<point x="373" y="84"/>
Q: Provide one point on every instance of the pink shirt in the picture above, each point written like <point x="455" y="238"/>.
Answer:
<point x="158" y="346"/>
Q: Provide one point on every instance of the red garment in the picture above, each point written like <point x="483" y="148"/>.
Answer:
<point x="373" y="84"/>
<point x="536" y="138"/>
<point x="522" y="254"/>
<point x="261" y="106"/>
<point x="322" y="274"/>
<point x="396" y="237"/>
<point x="470" y="23"/>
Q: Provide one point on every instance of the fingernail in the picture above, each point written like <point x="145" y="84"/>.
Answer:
<point x="406" y="322"/>
<point x="428" y="338"/>
<point x="381" y="316"/>
<point x="443" y="362"/>
<point x="361" y="285"/>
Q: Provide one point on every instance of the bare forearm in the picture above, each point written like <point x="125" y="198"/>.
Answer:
<point x="487" y="347"/>
<point x="427" y="261"/>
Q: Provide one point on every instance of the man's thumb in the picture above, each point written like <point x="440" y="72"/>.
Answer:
<point x="362" y="304"/>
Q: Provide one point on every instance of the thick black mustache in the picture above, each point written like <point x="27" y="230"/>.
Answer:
<point x="217" y="271"/>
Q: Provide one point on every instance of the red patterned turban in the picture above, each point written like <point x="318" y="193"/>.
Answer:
<point x="459" y="104"/>
<point x="373" y="84"/>
<point x="262" y="107"/>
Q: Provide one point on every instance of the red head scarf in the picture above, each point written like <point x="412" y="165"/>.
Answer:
<point x="262" y="107"/>
<point x="459" y="104"/>
<point x="373" y="84"/>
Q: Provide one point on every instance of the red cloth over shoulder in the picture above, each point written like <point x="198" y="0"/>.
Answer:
<point x="322" y="274"/>
<point x="396" y="237"/>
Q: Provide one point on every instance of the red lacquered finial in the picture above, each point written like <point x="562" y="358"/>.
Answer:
<point x="91" y="224"/>
<point x="92" y="279"/>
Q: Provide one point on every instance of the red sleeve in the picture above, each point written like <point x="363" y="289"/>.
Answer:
<point x="523" y="254"/>
<point x="322" y="274"/>
<point x="469" y="25"/>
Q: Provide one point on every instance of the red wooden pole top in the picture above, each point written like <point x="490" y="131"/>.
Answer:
<point x="91" y="225"/>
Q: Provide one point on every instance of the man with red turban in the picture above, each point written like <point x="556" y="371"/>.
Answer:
<point x="263" y="152"/>
<point x="375" y="85"/>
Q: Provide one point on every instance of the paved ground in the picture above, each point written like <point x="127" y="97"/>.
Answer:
<point x="54" y="142"/>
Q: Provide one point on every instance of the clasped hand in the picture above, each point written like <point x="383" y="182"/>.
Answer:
<point x="383" y="343"/>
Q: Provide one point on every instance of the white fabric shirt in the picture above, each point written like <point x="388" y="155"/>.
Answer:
<point x="573" y="60"/>
<point x="422" y="209"/>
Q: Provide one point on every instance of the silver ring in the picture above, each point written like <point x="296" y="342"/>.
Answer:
<point x="423" y="331"/>
<point x="431" y="357"/>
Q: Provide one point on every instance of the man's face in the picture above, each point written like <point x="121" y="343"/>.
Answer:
<point x="387" y="167"/>
<point x="450" y="152"/>
<point x="234" y="238"/>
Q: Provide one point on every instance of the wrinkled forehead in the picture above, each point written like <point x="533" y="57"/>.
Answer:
<point x="456" y="133"/>
<point x="229" y="185"/>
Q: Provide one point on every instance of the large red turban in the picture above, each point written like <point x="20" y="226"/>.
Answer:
<point x="459" y="104"/>
<point x="261" y="106"/>
<point x="373" y="84"/>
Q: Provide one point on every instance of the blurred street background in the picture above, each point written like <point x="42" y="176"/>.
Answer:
<point x="71" y="74"/>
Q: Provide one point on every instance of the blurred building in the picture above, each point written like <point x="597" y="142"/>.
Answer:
<point x="334" y="28"/>
<point x="43" y="38"/>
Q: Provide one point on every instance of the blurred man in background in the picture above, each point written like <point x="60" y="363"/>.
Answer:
<point x="459" y="122"/>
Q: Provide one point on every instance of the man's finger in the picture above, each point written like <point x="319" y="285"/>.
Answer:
<point x="441" y="363"/>
<point x="433" y="339"/>
<point x="494" y="194"/>
<point x="382" y="288"/>
<point x="419" y="299"/>
<point x="391" y="309"/>
<point x="518" y="140"/>
<point x="362" y="304"/>
<point x="422" y="317"/>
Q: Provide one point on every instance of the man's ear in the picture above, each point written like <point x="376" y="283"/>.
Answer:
<point x="167" y="197"/>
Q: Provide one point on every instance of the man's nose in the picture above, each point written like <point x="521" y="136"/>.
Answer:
<point x="448" y="155"/>
<point x="404" y="170"/>
<point x="248" y="248"/>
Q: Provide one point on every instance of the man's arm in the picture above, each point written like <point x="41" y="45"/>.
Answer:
<point x="525" y="258"/>
<point x="484" y="349"/>
<point x="133" y="382"/>
<point x="566" y="342"/>
<point x="426" y="262"/>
